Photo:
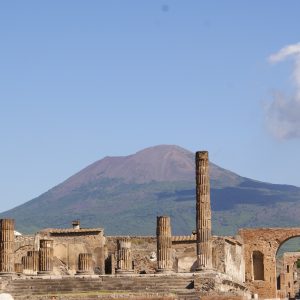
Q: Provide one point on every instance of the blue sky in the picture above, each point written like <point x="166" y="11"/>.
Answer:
<point x="80" y="80"/>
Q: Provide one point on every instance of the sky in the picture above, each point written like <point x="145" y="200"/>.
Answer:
<point x="81" y="80"/>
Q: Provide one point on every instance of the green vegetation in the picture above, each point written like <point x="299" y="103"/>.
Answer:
<point x="130" y="208"/>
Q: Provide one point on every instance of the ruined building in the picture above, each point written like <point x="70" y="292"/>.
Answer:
<point x="74" y="261"/>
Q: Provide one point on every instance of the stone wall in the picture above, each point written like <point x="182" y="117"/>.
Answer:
<point x="260" y="248"/>
<point x="227" y="254"/>
<point x="69" y="243"/>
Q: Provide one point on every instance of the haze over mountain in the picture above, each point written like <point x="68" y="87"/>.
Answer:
<point x="125" y="194"/>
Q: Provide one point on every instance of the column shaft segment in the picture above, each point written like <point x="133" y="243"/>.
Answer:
<point x="7" y="244"/>
<point x="124" y="256"/>
<point x="203" y="212"/>
<point x="46" y="257"/>
<point x="84" y="263"/>
<point x="164" y="244"/>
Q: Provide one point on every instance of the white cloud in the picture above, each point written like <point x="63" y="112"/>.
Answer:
<point x="283" y="112"/>
<point x="285" y="52"/>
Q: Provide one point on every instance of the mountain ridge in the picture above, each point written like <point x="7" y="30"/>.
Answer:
<point x="133" y="189"/>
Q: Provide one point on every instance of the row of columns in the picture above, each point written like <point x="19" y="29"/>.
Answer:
<point x="163" y="228"/>
<point x="164" y="249"/>
<point x="42" y="261"/>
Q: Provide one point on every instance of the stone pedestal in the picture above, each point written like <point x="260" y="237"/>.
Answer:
<point x="45" y="257"/>
<point x="84" y="264"/>
<point x="203" y="212"/>
<point x="7" y="243"/>
<point x="164" y="245"/>
<point x="124" y="257"/>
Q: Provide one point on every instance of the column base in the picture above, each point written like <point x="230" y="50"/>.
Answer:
<point x="164" y="271"/>
<point x="124" y="272"/>
<point x="202" y="269"/>
<point x="44" y="273"/>
<point x="84" y="273"/>
<point x="4" y="274"/>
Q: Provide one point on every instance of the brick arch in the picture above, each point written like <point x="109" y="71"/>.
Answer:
<point x="287" y="239"/>
<point x="267" y="241"/>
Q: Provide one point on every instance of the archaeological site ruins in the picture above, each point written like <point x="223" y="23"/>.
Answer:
<point x="83" y="263"/>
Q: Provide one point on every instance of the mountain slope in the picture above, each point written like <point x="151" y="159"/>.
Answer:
<point x="125" y="194"/>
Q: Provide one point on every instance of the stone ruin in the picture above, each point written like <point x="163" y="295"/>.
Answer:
<point x="84" y="261"/>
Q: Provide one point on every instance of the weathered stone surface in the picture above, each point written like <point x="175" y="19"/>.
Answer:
<point x="124" y="258"/>
<point x="164" y="244"/>
<point x="45" y="257"/>
<point x="85" y="263"/>
<point x="203" y="212"/>
<point x="216" y="297"/>
<point x="266" y="242"/>
<point x="288" y="281"/>
<point x="69" y="242"/>
<point x="7" y="240"/>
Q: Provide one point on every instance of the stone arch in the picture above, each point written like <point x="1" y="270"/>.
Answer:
<point x="22" y="251"/>
<point x="285" y="239"/>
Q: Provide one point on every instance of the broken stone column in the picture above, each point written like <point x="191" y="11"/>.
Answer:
<point x="84" y="263"/>
<point x="203" y="212"/>
<point x="35" y="260"/>
<point x="7" y="243"/>
<point x="164" y="245"/>
<point x="18" y="268"/>
<point x="124" y="257"/>
<point x="45" y="257"/>
<point x="27" y="263"/>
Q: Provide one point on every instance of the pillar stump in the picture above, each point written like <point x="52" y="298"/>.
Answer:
<point x="164" y="245"/>
<point x="45" y="257"/>
<point x="124" y="257"/>
<point x="203" y="212"/>
<point x="35" y="260"/>
<point x="27" y="263"/>
<point x="7" y="243"/>
<point x="19" y="268"/>
<point x="84" y="264"/>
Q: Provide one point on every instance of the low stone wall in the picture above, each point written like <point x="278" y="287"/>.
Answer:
<point x="227" y="254"/>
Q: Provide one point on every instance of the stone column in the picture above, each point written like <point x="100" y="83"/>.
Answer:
<point x="18" y="268"/>
<point x="27" y="263"/>
<point x="203" y="212"/>
<point x="46" y="257"/>
<point x="35" y="260"/>
<point x="164" y="244"/>
<point x="84" y="263"/>
<point x="124" y="258"/>
<point x="7" y="243"/>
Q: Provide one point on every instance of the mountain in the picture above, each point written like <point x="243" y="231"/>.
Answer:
<point x="125" y="194"/>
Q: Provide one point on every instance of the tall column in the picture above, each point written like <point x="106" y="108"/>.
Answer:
<point x="164" y="244"/>
<point x="124" y="258"/>
<point x="7" y="243"/>
<point x="46" y="257"/>
<point x="203" y="212"/>
<point x="84" y="263"/>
